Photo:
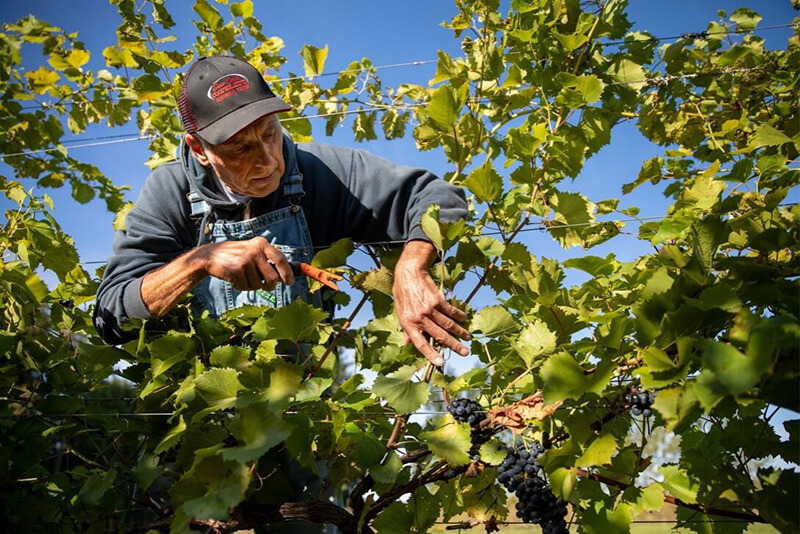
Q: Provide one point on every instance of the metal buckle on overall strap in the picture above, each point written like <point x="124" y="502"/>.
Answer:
<point x="293" y="191"/>
<point x="198" y="206"/>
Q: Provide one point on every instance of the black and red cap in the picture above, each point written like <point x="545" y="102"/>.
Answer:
<point x="221" y="95"/>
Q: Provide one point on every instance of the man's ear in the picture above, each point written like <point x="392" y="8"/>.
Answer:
<point x="197" y="149"/>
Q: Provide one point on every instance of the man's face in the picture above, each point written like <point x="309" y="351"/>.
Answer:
<point x="251" y="162"/>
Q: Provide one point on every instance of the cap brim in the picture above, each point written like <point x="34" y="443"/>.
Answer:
<point x="226" y="127"/>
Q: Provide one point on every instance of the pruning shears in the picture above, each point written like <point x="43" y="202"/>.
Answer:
<point x="324" y="277"/>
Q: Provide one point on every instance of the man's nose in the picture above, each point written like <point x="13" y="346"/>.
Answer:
<point x="263" y="157"/>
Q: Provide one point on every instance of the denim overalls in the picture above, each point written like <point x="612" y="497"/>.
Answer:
<point x="287" y="230"/>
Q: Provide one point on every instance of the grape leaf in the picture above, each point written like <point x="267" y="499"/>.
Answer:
<point x="450" y="440"/>
<point x="400" y="392"/>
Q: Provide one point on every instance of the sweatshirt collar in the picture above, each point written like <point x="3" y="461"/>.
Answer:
<point x="204" y="181"/>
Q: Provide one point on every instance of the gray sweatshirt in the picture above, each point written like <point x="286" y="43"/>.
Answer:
<point x="348" y="193"/>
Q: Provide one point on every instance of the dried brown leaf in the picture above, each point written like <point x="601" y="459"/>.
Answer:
<point x="516" y="416"/>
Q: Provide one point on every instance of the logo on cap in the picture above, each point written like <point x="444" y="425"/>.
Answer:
<point x="227" y="86"/>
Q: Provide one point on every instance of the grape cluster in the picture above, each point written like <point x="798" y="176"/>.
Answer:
<point x="520" y="473"/>
<point x="469" y="411"/>
<point x="640" y="401"/>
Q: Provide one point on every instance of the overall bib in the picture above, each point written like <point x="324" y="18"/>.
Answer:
<point x="287" y="230"/>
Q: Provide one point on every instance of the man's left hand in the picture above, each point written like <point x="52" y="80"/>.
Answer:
<point x="421" y="307"/>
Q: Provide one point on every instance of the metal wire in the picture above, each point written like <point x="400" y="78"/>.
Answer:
<point x="418" y="63"/>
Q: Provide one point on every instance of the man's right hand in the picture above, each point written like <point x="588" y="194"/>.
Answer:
<point x="248" y="265"/>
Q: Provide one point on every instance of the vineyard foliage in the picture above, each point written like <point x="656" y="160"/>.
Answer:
<point x="708" y="318"/>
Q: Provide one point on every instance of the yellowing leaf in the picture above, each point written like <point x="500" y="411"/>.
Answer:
<point x="77" y="58"/>
<point x="122" y="213"/>
<point x="599" y="452"/>
<point x="314" y="59"/>
<point x="450" y="440"/>
<point x="442" y="109"/>
<point x="41" y="79"/>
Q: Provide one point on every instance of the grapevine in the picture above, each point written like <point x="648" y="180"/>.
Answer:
<point x="187" y="425"/>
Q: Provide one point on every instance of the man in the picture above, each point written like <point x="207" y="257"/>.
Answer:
<point x="244" y="200"/>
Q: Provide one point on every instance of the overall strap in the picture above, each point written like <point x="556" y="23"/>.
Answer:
<point x="293" y="188"/>
<point x="202" y="214"/>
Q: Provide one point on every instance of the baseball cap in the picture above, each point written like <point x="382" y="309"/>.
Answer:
<point x="221" y="95"/>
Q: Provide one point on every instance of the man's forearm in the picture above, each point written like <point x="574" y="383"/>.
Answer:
<point x="165" y="286"/>
<point x="417" y="255"/>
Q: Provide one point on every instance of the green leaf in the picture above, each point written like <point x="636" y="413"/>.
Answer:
<point x="147" y="470"/>
<point x="212" y="488"/>
<point x="242" y="9"/>
<point x="314" y="59"/>
<point x="563" y="378"/>
<point x="678" y="407"/>
<point x="294" y="322"/>
<point x="485" y="183"/>
<point x="400" y="392"/>
<point x="589" y="86"/>
<point x="766" y="135"/>
<point x="745" y="18"/>
<point x="600" y="519"/>
<point x="534" y="341"/>
<point x="122" y="213"/>
<point x="735" y="371"/>
<point x="442" y="109"/>
<point x="334" y="256"/>
<point x="394" y="519"/>
<point x="450" y="440"/>
<point x="573" y="212"/>
<point x="119" y="57"/>
<point x="599" y="452"/>
<point x="562" y="482"/>
<point x="168" y="351"/>
<point x="493" y="452"/>
<point x="259" y="429"/>
<point x="172" y="437"/>
<point x="97" y="485"/>
<point x="229" y="356"/>
<point x="36" y="287"/>
<point x="493" y="321"/>
<point x="594" y="265"/>
<point x="312" y="389"/>
<point x="219" y="387"/>
<point x="678" y="483"/>
<point x="629" y="73"/>
<point x="430" y="225"/>
<point x="388" y="472"/>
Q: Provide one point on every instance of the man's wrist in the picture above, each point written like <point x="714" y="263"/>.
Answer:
<point x="418" y="255"/>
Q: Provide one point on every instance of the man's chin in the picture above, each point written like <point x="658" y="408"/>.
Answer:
<point x="261" y="187"/>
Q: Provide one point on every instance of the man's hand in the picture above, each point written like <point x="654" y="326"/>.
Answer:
<point x="249" y="264"/>
<point x="422" y="308"/>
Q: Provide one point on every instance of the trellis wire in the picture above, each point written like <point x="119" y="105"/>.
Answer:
<point x="656" y="81"/>
<point x="535" y="228"/>
<point x="418" y="63"/>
